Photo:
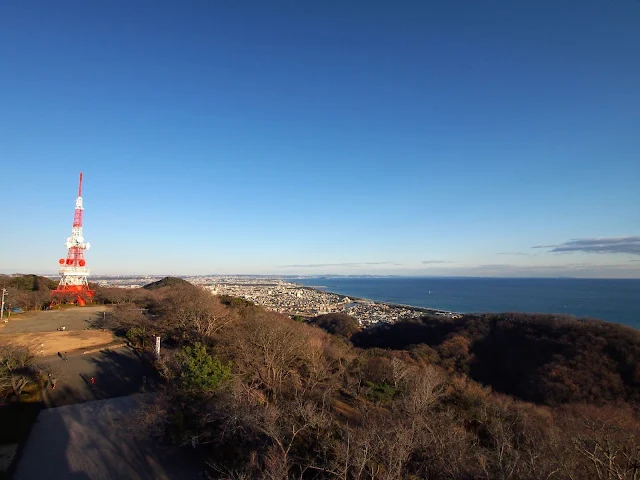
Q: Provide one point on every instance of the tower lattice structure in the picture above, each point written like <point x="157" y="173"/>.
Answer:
<point x="73" y="286"/>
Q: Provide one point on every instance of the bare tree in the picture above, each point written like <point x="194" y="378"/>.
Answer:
<point x="423" y="388"/>
<point x="268" y="351"/>
<point x="193" y="311"/>
<point x="16" y="370"/>
<point x="607" y="441"/>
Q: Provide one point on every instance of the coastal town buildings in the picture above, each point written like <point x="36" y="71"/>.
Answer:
<point x="285" y="296"/>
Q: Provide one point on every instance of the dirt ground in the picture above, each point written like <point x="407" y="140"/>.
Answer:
<point x="74" y="318"/>
<point x="39" y="330"/>
<point x="49" y="343"/>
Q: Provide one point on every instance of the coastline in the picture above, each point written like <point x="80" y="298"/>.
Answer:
<point x="294" y="299"/>
<point x="317" y="297"/>
<point x="610" y="300"/>
<point x="426" y="310"/>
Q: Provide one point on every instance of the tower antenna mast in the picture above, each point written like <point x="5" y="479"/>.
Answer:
<point x="74" y="286"/>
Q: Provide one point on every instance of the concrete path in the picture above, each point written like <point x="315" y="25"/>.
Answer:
<point x="99" y="441"/>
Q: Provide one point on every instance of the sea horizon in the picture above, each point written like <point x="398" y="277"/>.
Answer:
<point x="322" y="275"/>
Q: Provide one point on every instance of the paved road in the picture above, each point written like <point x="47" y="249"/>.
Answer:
<point x="116" y="372"/>
<point x="100" y="440"/>
<point x="77" y="318"/>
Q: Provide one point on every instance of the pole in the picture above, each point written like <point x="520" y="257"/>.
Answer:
<point x="4" y="292"/>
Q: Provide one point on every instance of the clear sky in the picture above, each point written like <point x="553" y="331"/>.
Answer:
<point x="422" y="138"/>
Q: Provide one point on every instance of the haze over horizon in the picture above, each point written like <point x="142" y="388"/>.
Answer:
<point x="456" y="138"/>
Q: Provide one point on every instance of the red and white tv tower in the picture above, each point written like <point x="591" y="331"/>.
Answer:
<point x="73" y="285"/>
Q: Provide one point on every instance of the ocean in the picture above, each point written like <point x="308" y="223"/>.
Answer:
<point x="611" y="300"/>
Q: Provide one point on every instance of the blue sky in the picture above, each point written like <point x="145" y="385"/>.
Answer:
<point x="420" y="138"/>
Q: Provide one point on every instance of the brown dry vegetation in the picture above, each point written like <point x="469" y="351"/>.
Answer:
<point x="305" y="404"/>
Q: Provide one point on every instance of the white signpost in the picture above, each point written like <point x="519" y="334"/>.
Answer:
<point x="157" y="347"/>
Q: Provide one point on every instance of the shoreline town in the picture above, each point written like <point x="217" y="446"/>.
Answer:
<point x="289" y="298"/>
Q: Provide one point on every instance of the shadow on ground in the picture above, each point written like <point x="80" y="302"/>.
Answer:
<point x="95" y="432"/>
<point x="98" y="440"/>
<point x="115" y="373"/>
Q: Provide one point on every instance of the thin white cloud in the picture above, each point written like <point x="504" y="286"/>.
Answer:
<point x="345" y="264"/>
<point x="625" y="245"/>
<point x="581" y="270"/>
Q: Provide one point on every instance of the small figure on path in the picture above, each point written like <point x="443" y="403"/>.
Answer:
<point x="93" y="381"/>
<point x="53" y="383"/>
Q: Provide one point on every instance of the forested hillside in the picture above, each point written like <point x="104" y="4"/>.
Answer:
<point x="540" y="358"/>
<point x="265" y="397"/>
<point x="28" y="292"/>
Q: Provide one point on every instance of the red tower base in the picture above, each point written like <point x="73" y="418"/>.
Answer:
<point x="72" y="294"/>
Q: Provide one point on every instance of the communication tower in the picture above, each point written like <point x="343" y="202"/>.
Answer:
<point x="73" y="286"/>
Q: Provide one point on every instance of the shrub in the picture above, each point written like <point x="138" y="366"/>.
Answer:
<point x="201" y="371"/>
<point x="381" y="393"/>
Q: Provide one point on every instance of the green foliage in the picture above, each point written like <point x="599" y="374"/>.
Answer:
<point x="381" y="393"/>
<point x="235" y="302"/>
<point x="298" y="318"/>
<point x="136" y="334"/>
<point x="201" y="371"/>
